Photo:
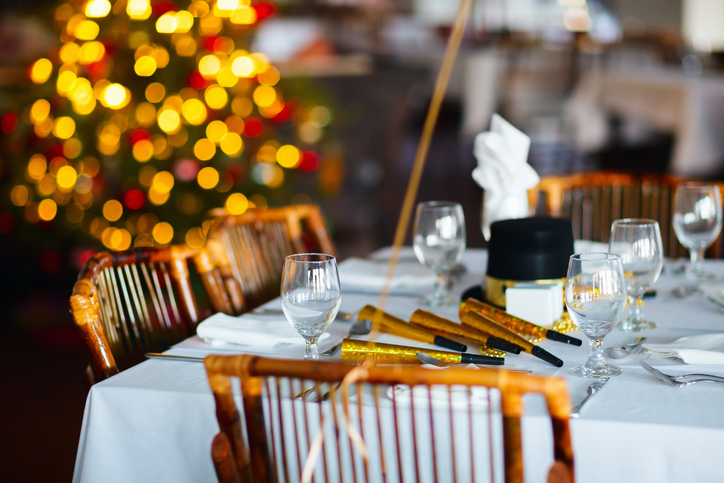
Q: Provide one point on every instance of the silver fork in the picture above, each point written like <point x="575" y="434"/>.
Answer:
<point x="682" y="380"/>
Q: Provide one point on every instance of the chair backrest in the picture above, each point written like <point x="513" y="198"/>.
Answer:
<point x="249" y="249"/>
<point x="594" y="200"/>
<point x="142" y="300"/>
<point x="364" y="430"/>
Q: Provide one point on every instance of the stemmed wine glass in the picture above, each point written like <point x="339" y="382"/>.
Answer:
<point x="595" y="298"/>
<point x="310" y="295"/>
<point x="439" y="242"/>
<point x="697" y="222"/>
<point x="638" y="241"/>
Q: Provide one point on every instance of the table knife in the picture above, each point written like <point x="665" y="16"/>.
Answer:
<point x="155" y="355"/>
<point x="592" y="389"/>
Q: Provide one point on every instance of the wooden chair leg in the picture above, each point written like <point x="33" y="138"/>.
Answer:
<point x="559" y="472"/>
<point x="223" y="460"/>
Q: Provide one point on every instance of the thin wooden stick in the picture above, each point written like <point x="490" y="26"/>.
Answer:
<point x="441" y="83"/>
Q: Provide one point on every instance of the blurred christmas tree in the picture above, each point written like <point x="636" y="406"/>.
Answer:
<point x="151" y="113"/>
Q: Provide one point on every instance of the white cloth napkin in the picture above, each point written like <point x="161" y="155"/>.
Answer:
<point x="698" y="349"/>
<point x="503" y="172"/>
<point x="262" y="332"/>
<point x="357" y="272"/>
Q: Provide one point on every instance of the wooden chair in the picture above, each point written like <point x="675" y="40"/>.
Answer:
<point x="594" y="200"/>
<point x="142" y="300"/>
<point x="249" y="249"/>
<point x="282" y="435"/>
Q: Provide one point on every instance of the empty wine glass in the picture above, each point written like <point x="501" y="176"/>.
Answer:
<point x="697" y="222"/>
<point x="595" y="298"/>
<point x="310" y="295"/>
<point x="439" y="242"/>
<point x="638" y="241"/>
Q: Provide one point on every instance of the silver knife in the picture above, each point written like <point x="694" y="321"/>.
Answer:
<point x="592" y="389"/>
<point x="155" y="355"/>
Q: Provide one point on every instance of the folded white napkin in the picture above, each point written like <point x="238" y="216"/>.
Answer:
<point x="264" y="332"/>
<point x="503" y="172"/>
<point x="698" y="349"/>
<point x="357" y="272"/>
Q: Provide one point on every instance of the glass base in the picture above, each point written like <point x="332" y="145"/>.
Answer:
<point x="603" y="371"/>
<point x="444" y="301"/>
<point x="637" y="326"/>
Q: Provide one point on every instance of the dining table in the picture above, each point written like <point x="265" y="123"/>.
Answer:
<point x="155" y="421"/>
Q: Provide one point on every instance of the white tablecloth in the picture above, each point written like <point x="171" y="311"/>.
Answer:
<point x="155" y="421"/>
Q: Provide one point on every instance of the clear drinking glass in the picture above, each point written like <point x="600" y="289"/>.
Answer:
<point x="439" y="242"/>
<point x="310" y="295"/>
<point x="638" y="241"/>
<point x="595" y="298"/>
<point x="697" y="222"/>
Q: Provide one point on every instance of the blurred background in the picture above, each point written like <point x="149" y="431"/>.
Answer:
<point x="130" y="141"/>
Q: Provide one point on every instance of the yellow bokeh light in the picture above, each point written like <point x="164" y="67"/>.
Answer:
<point x="199" y="8"/>
<point x="41" y="71"/>
<point x="47" y="185"/>
<point x="163" y="233"/>
<point x="204" y="149"/>
<point x="145" y="66"/>
<point x="226" y="77"/>
<point x="161" y="148"/>
<point x="91" y="52"/>
<point x="69" y="53"/>
<point x="288" y="156"/>
<point x="72" y="148"/>
<point x="66" y="178"/>
<point x="261" y="62"/>
<point x="42" y="129"/>
<point x="20" y="195"/>
<point x="47" y="209"/>
<point x="227" y="4"/>
<point x="138" y="9"/>
<point x="236" y="204"/>
<point x="195" y="238"/>
<point x="242" y="106"/>
<point x="235" y="124"/>
<point x="155" y="92"/>
<point x="243" y="66"/>
<point x="110" y="134"/>
<point x="216" y="130"/>
<point x="115" y="96"/>
<point x="273" y="176"/>
<point x="63" y="127"/>
<point x="209" y="65"/>
<point x="210" y="25"/>
<point x="243" y="16"/>
<point x="265" y="96"/>
<point x="37" y="166"/>
<point x="156" y="197"/>
<point x="216" y="97"/>
<point x="161" y="56"/>
<point x="65" y="82"/>
<point x="184" y="21"/>
<point x="186" y="46"/>
<point x="169" y="120"/>
<point x="143" y="150"/>
<point x="231" y="144"/>
<point x="87" y="30"/>
<point x="194" y="111"/>
<point x="116" y="238"/>
<point x="39" y="111"/>
<point x="208" y="178"/>
<point x="97" y="8"/>
<point x="112" y="210"/>
<point x="166" y="23"/>
<point x="145" y="114"/>
<point x="270" y="77"/>
<point x="175" y="102"/>
<point x="163" y="181"/>
<point x="267" y="154"/>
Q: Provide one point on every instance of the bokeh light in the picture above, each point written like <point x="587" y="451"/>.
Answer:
<point x="112" y="210"/>
<point x="41" y="71"/>
<point x="97" y="8"/>
<point x="208" y="178"/>
<point x="236" y="204"/>
<point x="163" y="233"/>
<point x="47" y="209"/>
<point x="204" y="149"/>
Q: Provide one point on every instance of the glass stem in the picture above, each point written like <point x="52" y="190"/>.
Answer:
<point x="595" y="359"/>
<point x="310" y="348"/>
<point x="441" y="284"/>
<point x="696" y="257"/>
<point x="636" y="302"/>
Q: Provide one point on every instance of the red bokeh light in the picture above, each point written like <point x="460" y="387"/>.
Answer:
<point x="309" y="162"/>
<point x="197" y="81"/>
<point x="138" y="135"/>
<point x="264" y="10"/>
<point x="283" y="115"/>
<point x="134" y="199"/>
<point x="187" y="169"/>
<point x="80" y="257"/>
<point x="54" y="151"/>
<point x="253" y="127"/>
<point x="209" y="42"/>
<point x="164" y="7"/>
<point x="9" y="122"/>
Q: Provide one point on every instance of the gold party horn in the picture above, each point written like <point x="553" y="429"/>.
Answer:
<point x="357" y="351"/>
<point x="442" y="326"/>
<point x="516" y="324"/>
<point x="476" y="320"/>
<point x="385" y="322"/>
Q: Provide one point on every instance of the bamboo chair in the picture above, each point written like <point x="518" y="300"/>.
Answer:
<point x="594" y="200"/>
<point x="280" y="431"/>
<point x="249" y="249"/>
<point x="128" y="303"/>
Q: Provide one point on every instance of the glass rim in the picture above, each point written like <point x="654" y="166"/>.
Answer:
<point x="635" y="222"/>
<point x="323" y="258"/>
<point x="604" y="256"/>
<point x="699" y="185"/>
<point x="439" y="204"/>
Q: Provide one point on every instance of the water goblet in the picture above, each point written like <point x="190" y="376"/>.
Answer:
<point x="697" y="223"/>
<point x="310" y="295"/>
<point x="638" y="241"/>
<point x="595" y="298"/>
<point x="438" y="243"/>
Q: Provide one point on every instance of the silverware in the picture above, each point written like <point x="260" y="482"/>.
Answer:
<point x="341" y="316"/>
<point x="682" y="380"/>
<point x="434" y="361"/>
<point x="592" y="389"/>
<point x="156" y="355"/>
<point x="626" y="349"/>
